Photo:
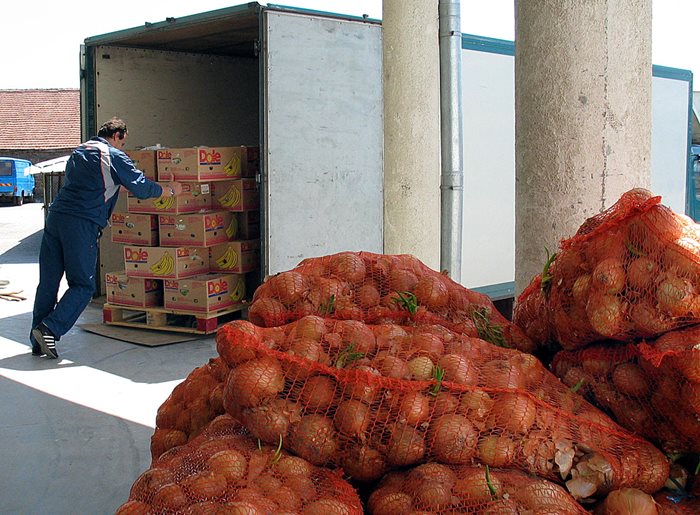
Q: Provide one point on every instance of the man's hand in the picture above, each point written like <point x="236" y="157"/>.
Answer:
<point x="173" y="189"/>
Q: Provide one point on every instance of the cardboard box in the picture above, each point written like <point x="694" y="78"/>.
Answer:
<point x="207" y="163"/>
<point x="204" y="293"/>
<point x="133" y="291"/>
<point x="238" y="195"/>
<point x="134" y="229"/>
<point x="195" y="197"/>
<point x="165" y="262"/>
<point x="236" y="257"/>
<point x="145" y="160"/>
<point x="195" y="230"/>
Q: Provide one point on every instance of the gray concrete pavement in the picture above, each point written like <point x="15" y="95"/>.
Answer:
<point x="74" y="432"/>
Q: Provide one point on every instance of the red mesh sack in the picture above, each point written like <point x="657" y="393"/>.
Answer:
<point x="531" y="313"/>
<point x="672" y="504"/>
<point x="436" y="488"/>
<point x="339" y="392"/>
<point x="376" y="288"/>
<point x="652" y="390"/>
<point x="630" y="272"/>
<point x="190" y="407"/>
<point x="224" y="470"/>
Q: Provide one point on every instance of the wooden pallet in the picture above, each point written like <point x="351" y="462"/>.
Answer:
<point x="163" y="319"/>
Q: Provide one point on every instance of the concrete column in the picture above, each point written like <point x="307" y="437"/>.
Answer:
<point x="582" y="116"/>
<point x="412" y="129"/>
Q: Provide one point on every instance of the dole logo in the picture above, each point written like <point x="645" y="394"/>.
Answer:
<point x="135" y="255"/>
<point x="213" y="222"/>
<point x="118" y="218"/>
<point x="166" y="220"/>
<point x="165" y="155"/>
<point x="111" y="279"/>
<point x="183" y="252"/>
<point x="209" y="156"/>
<point x="170" y="284"/>
<point x="218" y="287"/>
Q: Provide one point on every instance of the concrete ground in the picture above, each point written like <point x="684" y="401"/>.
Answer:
<point x="74" y="432"/>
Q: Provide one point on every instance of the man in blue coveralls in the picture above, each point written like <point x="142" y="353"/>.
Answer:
<point x="80" y="211"/>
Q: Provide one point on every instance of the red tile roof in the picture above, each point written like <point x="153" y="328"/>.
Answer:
<point x="39" y="118"/>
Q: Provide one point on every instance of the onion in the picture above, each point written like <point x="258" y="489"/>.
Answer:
<point x="609" y="276"/>
<point x="314" y="439"/>
<point x="453" y="438"/>
<point x="472" y="486"/>
<point x="363" y="463"/>
<point x="476" y="405"/>
<point x="402" y="280"/>
<point x="427" y="344"/>
<point x="310" y="327"/>
<point x="627" y="501"/>
<point x="267" y="312"/>
<point x="149" y="482"/>
<point x="391" y="366"/>
<point x="358" y="334"/>
<point x="390" y="337"/>
<point x="347" y="267"/>
<point x="169" y="497"/>
<point x="318" y="394"/>
<point x="675" y="295"/>
<point x="444" y="404"/>
<point x="309" y="351"/>
<point x="501" y="373"/>
<point x="503" y="507"/>
<point x="204" y="485"/>
<point x="231" y="464"/>
<point x="414" y="408"/>
<point x="422" y="368"/>
<point x="367" y="296"/>
<point x="458" y="369"/>
<point x="641" y="274"/>
<point x="406" y="446"/>
<point x="241" y="508"/>
<point x="581" y="287"/>
<point x="271" y="421"/>
<point x="286" y="498"/>
<point x="606" y="313"/>
<point x="327" y="506"/>
<point x="496" y="451"/>
<point x="433" y="496"/>
<point x="389" y="502"/>
<point x="432" y="292"/>
<point x="649" y="320"/>
<point x="683" y="255"/>
<point x="513" y="412"/>
<point x="293" y="466"/>
<point x="289" y="287"/>
<point x="254" y="381"/>
<point x="630" y="380"/>
<point x="303" y="486"/>
<point x="360" y="384"/>
<point x="352" y="418"/>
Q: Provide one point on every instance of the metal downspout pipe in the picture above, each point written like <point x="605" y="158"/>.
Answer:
<point x="451" y="128"/>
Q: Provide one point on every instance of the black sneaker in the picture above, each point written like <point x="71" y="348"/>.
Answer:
<point x="36" y="349"/>
<point x="46" y="340"/>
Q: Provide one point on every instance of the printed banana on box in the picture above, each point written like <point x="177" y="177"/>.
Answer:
<point x="165" y="262"/>
<point x="235" y="256"/>
<point x="238" y="195"/>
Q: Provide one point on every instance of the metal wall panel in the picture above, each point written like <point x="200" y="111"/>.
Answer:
<point x="322" y="138"/>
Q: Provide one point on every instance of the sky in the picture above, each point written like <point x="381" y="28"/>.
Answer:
<point x="41" y="40"/>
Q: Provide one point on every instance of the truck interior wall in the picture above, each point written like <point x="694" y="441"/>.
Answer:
<point x="174" y="99"/>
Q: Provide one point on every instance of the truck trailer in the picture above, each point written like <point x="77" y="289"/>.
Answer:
<point x="306" y="87"/>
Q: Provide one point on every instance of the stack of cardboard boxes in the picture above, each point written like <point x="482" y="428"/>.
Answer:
<point x="189" y="253"/>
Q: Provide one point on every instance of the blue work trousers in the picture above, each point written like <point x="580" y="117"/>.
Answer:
<point x="69" y="246"/>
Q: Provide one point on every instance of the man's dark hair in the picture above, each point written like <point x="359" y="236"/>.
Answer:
<point x="114" y="128"/>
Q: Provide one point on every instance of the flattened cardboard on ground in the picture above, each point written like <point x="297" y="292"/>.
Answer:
<point x="140" y="336"/>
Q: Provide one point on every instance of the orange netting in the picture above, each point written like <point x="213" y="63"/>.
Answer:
<point x="652" y="390"/>
<point x="376" y="289"/>
<point x="190" y="407"/>
<point x="374" y="398"/>
<point x="673" y="504"/>
<point x="435" y="488"/>
<point x="630" y="272"/>
<point x="224" y="470"/>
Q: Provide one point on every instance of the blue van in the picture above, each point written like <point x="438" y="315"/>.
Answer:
<point x="15" y="180"/>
